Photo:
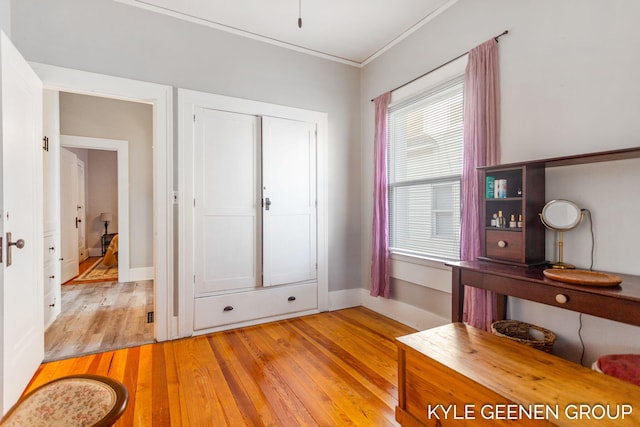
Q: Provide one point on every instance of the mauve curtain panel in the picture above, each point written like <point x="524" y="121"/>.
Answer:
<point x="380" y="285"/>
<point x="481" y="148"/>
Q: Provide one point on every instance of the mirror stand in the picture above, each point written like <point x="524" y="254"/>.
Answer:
<point x="561" y="264"/>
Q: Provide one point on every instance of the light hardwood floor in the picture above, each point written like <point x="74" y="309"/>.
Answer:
<point x="330" y="369"/>
<point x="100" y="317"/>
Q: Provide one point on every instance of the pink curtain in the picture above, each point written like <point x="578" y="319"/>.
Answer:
<point x="481" y="148"/>
<point x="380" y="244"/>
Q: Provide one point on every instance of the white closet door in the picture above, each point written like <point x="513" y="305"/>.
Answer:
<point x="289" y="199"/>
<point x="226" y="172"/>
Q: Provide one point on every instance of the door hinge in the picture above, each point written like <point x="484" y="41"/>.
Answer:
<point x="194" y="203"/>
<point x="150" y="315"/>
<point x="194" y="118"/>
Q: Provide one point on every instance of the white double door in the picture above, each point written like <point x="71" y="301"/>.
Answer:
<point x="255" y="201"/>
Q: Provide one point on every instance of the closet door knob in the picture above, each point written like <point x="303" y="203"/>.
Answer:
<point x="291" y="299"/>
<point x="502" y="244"/>
<point x="228" y="308"/>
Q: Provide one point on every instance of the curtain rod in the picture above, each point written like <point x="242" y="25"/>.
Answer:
<point x="440" y="66"/>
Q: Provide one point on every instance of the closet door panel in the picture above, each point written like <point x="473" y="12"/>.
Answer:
<point x="226" y="174"/>
<point x="289" y="215"/>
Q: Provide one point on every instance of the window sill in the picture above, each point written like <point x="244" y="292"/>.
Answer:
<point x="422" y="260"/>
<point x="428" y="272"/>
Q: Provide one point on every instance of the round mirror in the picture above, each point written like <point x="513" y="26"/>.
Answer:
<point x="561" y="215"/>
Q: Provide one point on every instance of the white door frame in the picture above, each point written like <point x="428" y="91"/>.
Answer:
<point x="161" y="97"/>
<point x="122" y="151"/>
<point x="188" y="102"/>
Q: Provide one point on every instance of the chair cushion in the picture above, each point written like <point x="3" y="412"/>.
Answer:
<point x="623" y="366"/>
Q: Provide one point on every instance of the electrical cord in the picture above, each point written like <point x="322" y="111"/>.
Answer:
<point x="590" y="268"/>
<point x="593" y="240"/>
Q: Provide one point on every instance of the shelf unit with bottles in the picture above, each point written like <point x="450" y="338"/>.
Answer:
<point x="519" y="239"/>
<point x="525" y="245"/>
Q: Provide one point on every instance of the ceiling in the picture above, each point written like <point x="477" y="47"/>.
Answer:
<point x="348" y="31"/>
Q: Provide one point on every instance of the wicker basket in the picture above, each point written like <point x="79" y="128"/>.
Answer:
<point x="525" y="333"/>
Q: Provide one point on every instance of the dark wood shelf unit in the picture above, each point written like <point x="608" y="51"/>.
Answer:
<point x="525" y="196"/>
<point x="526" y="280"/>
<point x="528" y="247"/>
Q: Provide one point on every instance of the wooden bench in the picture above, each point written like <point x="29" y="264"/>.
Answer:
<point x="462" y="376"/>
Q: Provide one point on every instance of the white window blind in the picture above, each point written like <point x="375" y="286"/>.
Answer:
<point x="424" y="171"/>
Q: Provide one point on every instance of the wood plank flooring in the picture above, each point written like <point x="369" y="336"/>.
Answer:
<point x="99" y="317"/>
<point x="330" y="369"/>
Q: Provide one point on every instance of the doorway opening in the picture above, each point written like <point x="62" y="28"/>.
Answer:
<point x="98" y="312"/>
<point x="89" y="201"/>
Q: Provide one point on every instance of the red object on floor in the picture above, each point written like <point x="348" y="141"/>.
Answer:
<point x="623" y="366"/>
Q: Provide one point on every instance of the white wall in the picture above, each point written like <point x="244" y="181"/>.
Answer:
<point x="5" y="17"/>
<point x="568" y="75"/>
<point x="102" y="195"/>
<point x="112" y="38"/>
<point x="91" y="116"/>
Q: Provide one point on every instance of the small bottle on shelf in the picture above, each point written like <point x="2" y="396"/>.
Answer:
<point x="519" y="224"/>
<point x="494" y="220"/>
<point x="512" y="222"/>
<point x="501" y="220"/>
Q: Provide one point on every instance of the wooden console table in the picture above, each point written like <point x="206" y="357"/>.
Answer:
<point x="620" y="303"/>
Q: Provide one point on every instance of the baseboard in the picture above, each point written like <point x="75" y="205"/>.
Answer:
<point x="95" y="251"/>
<point x="404" y="313"/>
<point x="140" y="274"/>
<point x="345" y="298"/>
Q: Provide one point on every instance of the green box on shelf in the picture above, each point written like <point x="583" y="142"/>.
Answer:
<point x="490" y="187"/>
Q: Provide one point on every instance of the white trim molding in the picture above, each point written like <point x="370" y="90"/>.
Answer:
<point x="399" y="311"/>
<point x="122" y="152"/>
<point x="161" y="97"/>
<point x="404" y="313"/>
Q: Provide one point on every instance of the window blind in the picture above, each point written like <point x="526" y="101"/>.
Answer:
<point x="425" y="145"/>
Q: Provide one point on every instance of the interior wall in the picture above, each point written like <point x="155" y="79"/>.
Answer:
<point x="568" y="77"/>
<point x="102" y="196"/>
<point x="5" y="17"/>
<point x="83" y="34"/>
<point x="91" y="116"/>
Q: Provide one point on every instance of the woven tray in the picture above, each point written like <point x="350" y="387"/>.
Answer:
<point x="525" y="333"/>
<point x="583" y="277"/>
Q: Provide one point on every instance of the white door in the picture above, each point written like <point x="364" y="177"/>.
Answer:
<point x="21" y="198"/>
<point x="80" y="212"/>
<point x="69" y="215"/>
<point x="289" y="194"/>
<point x="227" y="196"/>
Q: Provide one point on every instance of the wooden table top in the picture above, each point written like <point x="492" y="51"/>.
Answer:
<point x="526" y="376"/>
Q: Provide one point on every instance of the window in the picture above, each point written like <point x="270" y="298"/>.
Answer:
<point x="424" y="172"/>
